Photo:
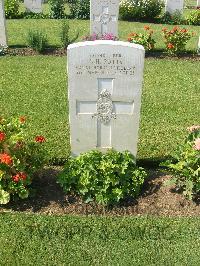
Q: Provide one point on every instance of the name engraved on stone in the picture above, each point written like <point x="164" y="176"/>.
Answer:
<point x="101" y="64"/>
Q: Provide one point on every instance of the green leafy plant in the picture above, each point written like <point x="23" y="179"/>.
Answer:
<point x="64" y="35"/>
<point x="194" y="17"/>
<point x="57" y="9"/>
<point x="176" y="39"/>
<point x="105" y="178"/>
<point x="32" y="15"/>
<point x="186" y="168"/>
<point x="144" y="39"/>
<point x="19" y="158"/>
<point x="11" y="8"/>
<point x="3" y="49"/>
<point x="174" y="19"/>
<point x="37" y="40"/>
<point x="80" y="9"/>
<point x="140" y="9"/>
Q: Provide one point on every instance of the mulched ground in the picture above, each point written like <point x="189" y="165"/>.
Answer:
<point x="63" y="52"/>
<point x="155" y="199"/>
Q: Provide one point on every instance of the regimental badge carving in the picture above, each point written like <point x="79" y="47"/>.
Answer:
<point x="105" y="108"/>
<point x="105" y="18"/>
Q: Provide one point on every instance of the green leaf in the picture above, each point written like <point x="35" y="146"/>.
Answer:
<point x="4" y="197"/>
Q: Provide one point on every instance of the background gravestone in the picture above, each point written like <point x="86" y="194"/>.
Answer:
<point x="3" y="38"/>
<point x="172" y="6"/>
<point x="198" y="3"/>
<point x="34" y="6"/>
<point x="104" y="16"/>
<point x="105" y="85"/>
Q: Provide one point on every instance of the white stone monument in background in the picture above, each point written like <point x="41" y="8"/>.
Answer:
<point x="34" y="6"/>
<point x="198" y="47"/>
<point x="198" y="3"/>
<point x="105" y="87"/>
<point x="104" y="16"/>
<point x="3" y="37"/>
<point x="172" y="6"/>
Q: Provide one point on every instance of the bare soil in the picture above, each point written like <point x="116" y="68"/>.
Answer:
<point x="63" y="52"/>
<point x="156" y="199"/>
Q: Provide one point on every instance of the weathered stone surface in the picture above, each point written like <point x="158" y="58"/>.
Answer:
<point x="34" y="6"/>
<point x="3" y="38"/>
<point x="104" y="16"/>
<point x="105" y="85"/>
<point x="172" y="6"/>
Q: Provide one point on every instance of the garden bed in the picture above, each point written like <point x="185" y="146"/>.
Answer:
<point x="156" y="199"/>
<point x="63" y="52"/>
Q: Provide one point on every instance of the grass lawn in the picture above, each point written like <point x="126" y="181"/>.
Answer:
<point x="46" y="240"/>
<point x="53" y="28"/>
<point x="36" y="87"/>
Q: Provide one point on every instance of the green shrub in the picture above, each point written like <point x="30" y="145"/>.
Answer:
<point x="80" y="9"/>
<point x="140" y="9"/>
<point x="187" y="166"/>
<point x="32" y="15"/>
<point x="173" y="19"/>
<point x="106" y="178"/>
<point x="130" y="10"/>
<point x="19" y="158"/>
<point x="37" y="40"/>
<point x="144" y="39"/>
<point x="152" y="8"/>
<point x="57" y="9"/>
<point x="176" y="39"/>
<point x="11" y="8"/>
<point x="194" y="18"/>
<point x="64" y="35"/>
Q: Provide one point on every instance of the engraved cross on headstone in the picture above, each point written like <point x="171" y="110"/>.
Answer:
<point x="104" y="16"/>
<point x="105" y="111"/>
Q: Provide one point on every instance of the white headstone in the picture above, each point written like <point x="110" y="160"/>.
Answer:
<point x="172" y="6"/>
<point x="104" y="85"/>
<point x="198" y="3"/>
<point x="34" y="6"/>
<point x="198" y="48"/>
<point x="104" y="16"/>
<point x="3" y="37"/>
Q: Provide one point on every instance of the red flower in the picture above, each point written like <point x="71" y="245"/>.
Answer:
<point x="146" y="27"/>
<point x="22" y="119"/>
<point x="20" y="176"/>
<point x="184" y="30"/>
<point x="2" y="136"/>
<point x="129" y="39"/>
<point x="16" y="178"/>
<point x="175" y="28"/>
<point x="170" y="46"/>
<point x="5" y="158"/>
<point x="40" y="139"/>
<point x="164" y="29"/>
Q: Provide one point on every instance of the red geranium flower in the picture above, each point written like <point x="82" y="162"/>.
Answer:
<point x="146" y="27"/>
<point x="170" y="46"/>
<point x="184" y="30"/>
<point x="164" y="29"/>
<point x="5" y="158"/>
<point x="20" y="176"/>
<point x="22" y="119"/>
<point x="40" y="139"/>
<point x="2" y="136"/>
